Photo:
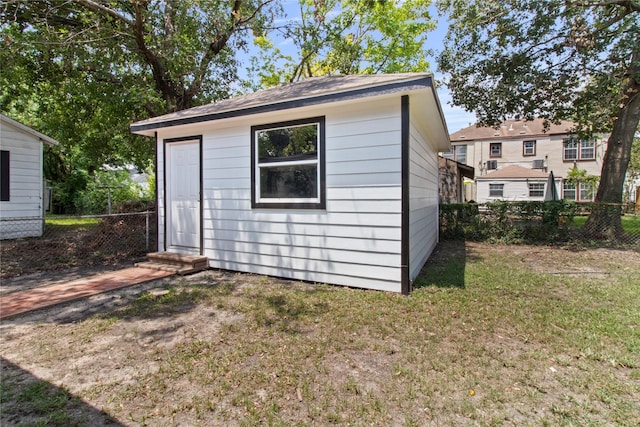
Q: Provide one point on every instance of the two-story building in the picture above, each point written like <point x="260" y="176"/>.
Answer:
<point x="514" y="161"/>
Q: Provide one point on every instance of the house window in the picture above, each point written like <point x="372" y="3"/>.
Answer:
<point x="528" y="148"/>
<point x="461" y="153"/>
<point x="578" y="150"/>
<point x="536" y="189"/>
<point x="496" y="190"/>
<point x="569" y="191"/>
<point x="4" y="176"/>
<point x="495" y="149"/>
<point x="587" y="150"/>
<point x="288" y="165"/>
<point x="582" y="192"/>
<point x="586" y="192"/>
<point x="457" y="153"/>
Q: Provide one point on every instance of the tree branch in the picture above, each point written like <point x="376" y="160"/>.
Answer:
<point x="97" y="7"/>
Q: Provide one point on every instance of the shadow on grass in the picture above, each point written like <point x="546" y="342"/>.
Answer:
<point x="445" y="267"/>
<point x="28" y="400"/>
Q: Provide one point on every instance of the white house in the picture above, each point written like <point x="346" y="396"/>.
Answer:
<point x="532" y="146"/>
<point x="332" y="179"/>
<point x="514" y="183"/>
<point x="21" y="180"/>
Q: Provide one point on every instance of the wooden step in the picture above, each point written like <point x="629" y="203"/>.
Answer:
<point x="168" y="267"/>
<point x="172" y="258"/>
<point x="175" y="262"/>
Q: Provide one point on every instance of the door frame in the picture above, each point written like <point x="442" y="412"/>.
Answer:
<point x="166" y="143"/>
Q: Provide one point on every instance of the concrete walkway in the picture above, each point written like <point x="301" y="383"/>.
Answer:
<point x="46" y="296"/>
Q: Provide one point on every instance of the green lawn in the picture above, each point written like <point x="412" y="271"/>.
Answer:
<point x="491" y="335"/>
<point x="630" y="223"/>
<point x="70" y="221"/>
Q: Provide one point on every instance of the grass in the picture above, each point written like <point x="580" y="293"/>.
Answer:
<point x="491" y="335"/>
<point x="630" y="223"/>
<point x="67" y="222"/>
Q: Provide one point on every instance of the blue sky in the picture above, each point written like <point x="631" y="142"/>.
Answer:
<point x="456" y="117"/>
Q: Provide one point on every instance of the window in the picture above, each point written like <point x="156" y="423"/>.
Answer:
<point x="582" y="192"/>
<point x="495" y="149"/>
<point x="528" y="148"/>
<point x="288" y="165"/>
<point x="586" y="192"/>
<point x="496" y="190"/>
<point x="587" y="150"/>
<point x="578" y="150"/>
<point x="569" y="191"/>
<point x="4" y="176"/>
<point x="457" y="153"/>
<point x="536" y="189"/>
<point x="461" y="153"/>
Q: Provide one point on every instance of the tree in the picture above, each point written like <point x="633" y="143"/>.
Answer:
<point x="554" y="59"/>
<point x="349" y="37"/>
<point x="82" y="70"/>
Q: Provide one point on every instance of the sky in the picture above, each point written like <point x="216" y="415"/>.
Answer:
<point x="456" y="117"/>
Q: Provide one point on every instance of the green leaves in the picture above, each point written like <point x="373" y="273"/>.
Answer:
<point x="351" y="37"/>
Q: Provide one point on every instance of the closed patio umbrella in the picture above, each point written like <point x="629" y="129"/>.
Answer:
<point x="552" y="192"/>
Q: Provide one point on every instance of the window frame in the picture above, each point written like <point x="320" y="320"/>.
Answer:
<point x="584" y="188"/>
<point x="501" y="185"/>
<point x="318" y="202"/>
<point x="572" y="188"/>
<point x="579" y="147"/>
<point x="591" y="147"/>
<point x="524" y="148"/>
<point x="539" y="192"/>
<point x="499" y="146"/>
<point x="5" y="176"/>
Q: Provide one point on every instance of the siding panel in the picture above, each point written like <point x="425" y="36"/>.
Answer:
<point x="423" y="182"/>
<point x="355" y="241"/>
<point x="25" y="183"/>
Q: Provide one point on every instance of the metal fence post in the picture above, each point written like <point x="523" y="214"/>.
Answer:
<point x="147" y="230"/>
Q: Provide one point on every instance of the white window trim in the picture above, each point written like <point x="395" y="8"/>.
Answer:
<point x="290" y="202"/>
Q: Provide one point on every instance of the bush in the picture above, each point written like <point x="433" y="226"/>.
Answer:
<point x="509" y="222"/>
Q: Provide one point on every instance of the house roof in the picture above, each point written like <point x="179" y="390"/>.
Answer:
<point x="511" y="129"/>
<point x="514" y="171"/>
<point x="26" y="129"/>
<point x="310" y="91"/>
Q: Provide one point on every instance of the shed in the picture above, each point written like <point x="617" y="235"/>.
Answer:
<point x="332" y="179"/>
<point x="513" y="183"/>
<point x="21" y="179"/>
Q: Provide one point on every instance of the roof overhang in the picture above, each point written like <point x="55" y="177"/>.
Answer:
<point x="42" y="137"/>
<point x="304" y="94"/>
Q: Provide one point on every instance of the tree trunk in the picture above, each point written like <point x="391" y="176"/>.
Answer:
<point x="605" y="221"/>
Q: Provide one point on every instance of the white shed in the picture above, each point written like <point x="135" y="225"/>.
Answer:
<point x="332" y="179"/>
<point x="21" y="179"/>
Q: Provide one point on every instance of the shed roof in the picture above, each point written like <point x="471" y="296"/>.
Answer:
<point x="514" y="172"/>
<point x="512" y="129"/>
<point x="310" y="91"/>
<point x="26" y="129"/>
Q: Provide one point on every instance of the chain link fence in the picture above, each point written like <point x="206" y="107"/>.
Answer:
<point x="41" y="244"/>
<point x="595" y="224"/>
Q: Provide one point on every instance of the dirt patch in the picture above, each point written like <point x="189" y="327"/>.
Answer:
<point x="220" y="348"/>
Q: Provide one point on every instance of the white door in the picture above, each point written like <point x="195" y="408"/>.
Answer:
<point x="183" y="196"/>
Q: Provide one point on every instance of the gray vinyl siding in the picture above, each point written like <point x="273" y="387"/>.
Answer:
<point x="21" y="215"/>
<point x="355" y="241"/>
<point x="423" y="196"/>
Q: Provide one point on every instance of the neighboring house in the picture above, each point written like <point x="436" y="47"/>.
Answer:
<point x="514" y="182"/>
<point x="332" y="179"/>
<point x="452" y="180"/>
<point x="529" y="146"/>
<point x="21" y="180"/>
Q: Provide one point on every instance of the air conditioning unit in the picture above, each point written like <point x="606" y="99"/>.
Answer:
<point x="492" y="164"/>
<point x="538" y="164"/>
